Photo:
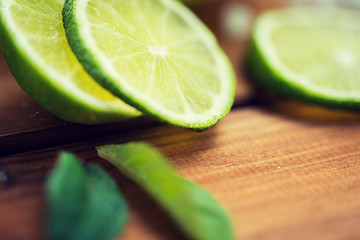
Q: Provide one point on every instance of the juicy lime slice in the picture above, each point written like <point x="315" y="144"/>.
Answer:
<point x="35" y="47"/>
<point x="155" y="55"/>
<point x="312" y="53"/>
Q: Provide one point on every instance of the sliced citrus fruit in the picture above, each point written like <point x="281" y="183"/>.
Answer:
<point x="155" y="55"/>
<point x="36" y="50"/>
<point x="310" y="53"/>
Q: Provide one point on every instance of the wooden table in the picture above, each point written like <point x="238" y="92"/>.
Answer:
<point x="283" y="170"/>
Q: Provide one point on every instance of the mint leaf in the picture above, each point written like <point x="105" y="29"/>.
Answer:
<point x="192" y="207"/>
<point x="83" y="203"/>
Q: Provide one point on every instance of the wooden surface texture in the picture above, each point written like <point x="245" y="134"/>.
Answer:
<point x="282" y="169"/>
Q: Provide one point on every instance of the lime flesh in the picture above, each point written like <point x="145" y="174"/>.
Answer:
<point x="36" y="49"/>
<point x="155" y="55"/>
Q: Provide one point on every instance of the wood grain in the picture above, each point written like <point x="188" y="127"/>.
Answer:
<point x="280" y="178"/>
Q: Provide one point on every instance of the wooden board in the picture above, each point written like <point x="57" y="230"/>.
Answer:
<point x="280" y="178"/>
<point x="282" y="169"/>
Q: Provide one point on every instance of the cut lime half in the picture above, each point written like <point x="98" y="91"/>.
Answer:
<point x="155" y="55"/>
<point x="36" y="50"/>
<point x="310" y="53"/>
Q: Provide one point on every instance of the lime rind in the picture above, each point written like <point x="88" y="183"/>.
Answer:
<point x="269" y="71"/>
<point x="44" y="84"/>
<point x="94" y="62"/>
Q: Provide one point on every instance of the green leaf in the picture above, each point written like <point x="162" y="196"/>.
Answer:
<point x="83" y="203"/>
<point x="192" y="207"/>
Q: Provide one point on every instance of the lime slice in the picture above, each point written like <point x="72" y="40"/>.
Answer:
<point x="309" y="53"/>
<point x="35" y="47"/>
<point x="155" y="55"/>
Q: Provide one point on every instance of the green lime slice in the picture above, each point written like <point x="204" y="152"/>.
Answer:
<point x="155" y="55"/>
<point x="309" y="53"/>
<point x="36" y="50"/>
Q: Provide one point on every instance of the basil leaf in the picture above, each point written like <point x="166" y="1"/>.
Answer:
<point x="83" y="203"/>
<point x="192" y="207"/>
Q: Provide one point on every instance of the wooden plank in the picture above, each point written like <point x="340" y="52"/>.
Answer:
<point x="279" y="176"/>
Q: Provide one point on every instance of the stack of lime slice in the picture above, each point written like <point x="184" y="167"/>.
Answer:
<point x="155" y="55"/>
<point x="310" y="53"/>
